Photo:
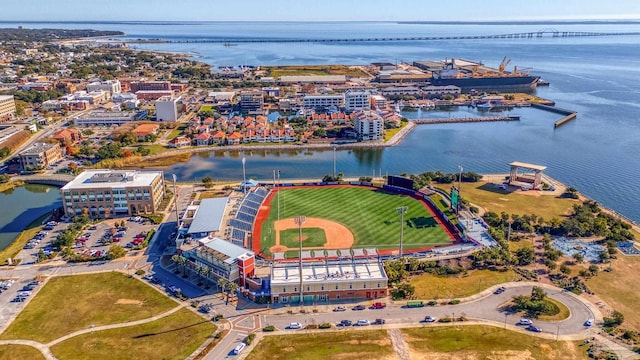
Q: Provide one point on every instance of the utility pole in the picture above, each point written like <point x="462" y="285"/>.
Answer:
<point x="299" y="220"/>
<point x="401" y="210"/>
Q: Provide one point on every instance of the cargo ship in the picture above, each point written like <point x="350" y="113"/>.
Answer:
<point x="469" y="76"/>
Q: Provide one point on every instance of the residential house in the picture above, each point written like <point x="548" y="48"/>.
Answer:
<point x="67" y="136"/>
<point x="203" y="139"/>
<point x="144" y="130"/>
<point x="180" y="142"/>
<point x="235" y="138"/>
<point x="217" y="137"/>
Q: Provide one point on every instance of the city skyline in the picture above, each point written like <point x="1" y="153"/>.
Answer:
<point x="329" y="10"/>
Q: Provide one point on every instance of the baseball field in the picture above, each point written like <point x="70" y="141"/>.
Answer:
<point x="339" y="217"/>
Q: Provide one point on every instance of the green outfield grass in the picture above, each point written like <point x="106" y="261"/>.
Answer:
<point x="313" y="237"/>
<point x="369" y="214"/>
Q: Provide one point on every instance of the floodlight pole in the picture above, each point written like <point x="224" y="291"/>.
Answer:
<point x="334" y="162"/>
<point x="278" y="194"/>
<point x="299" y="220"/>
<point x="459" y="188"/>
<point x="175" y="200"/>
<point x="244" y="176"/>
<point x="401" y="210"/>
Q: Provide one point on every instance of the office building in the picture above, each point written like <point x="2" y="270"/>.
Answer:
<point x="107" y="193"/>
<point x="7" y="108"/>
<point x="168" y="108"/>
<point x="322" y="101"/>
<point x="110" y="86"/>
<point x="251" y="101"/>
<point x="357" y="100"/>
<point x="223" y="259"/>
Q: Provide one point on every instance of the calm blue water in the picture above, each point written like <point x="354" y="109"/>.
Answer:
<point x="599" y="153"/>
<point x="22" y="205"/>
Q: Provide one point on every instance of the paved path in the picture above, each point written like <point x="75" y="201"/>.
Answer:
<point x="44" y="349"/>
<point x="399" y="345"/>
<point x="115" y="326"/>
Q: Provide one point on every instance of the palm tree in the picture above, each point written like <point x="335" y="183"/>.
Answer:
<point x="176" y="259"/>
<point x="205" y="273"/>
<point x="222" y="284"/>
<point x="197" y="269"/>
<point x="231" y="287"/>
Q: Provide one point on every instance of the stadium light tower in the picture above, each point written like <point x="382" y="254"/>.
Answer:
<point x="401" y="211"/>
<point x="299" y="220"/>
<point x="244" y="176"/>
<point x="334" y="162"/>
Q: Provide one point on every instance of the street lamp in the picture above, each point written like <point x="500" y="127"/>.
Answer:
<point x="244" y="176"/>
<point x="175" y="200"/>
<point x="299" y="220"/>
<point x="401" y="210"/>
<point x="334" y="162"/>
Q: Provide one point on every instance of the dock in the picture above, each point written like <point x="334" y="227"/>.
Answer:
<point x="464" y="120"/>
<point x="568" y="114"/>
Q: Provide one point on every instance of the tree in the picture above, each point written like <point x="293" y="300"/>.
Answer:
<point x="116" y="251"/>
<point x="4" y="152"/>
<point x="207" y="181"/>
<point x="537" y="294"/>
<point x="109" y="151"/>
<point x="525" y="256"/>
<point x="565" y="269"/>
<point x="222" y="284"/>
<point x="231" y="287"/>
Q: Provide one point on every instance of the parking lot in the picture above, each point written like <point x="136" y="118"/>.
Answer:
<point x="14" y="294"/>
<point x="94" y="241"/>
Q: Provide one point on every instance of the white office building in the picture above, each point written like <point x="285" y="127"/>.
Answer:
<point x="322" y="101"/>
<point x="110" y="86"/>
<point x="167" y="108"/>
<point x="357" y="100"/>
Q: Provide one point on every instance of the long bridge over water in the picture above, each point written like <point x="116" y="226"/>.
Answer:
<point x="546" y="33"/>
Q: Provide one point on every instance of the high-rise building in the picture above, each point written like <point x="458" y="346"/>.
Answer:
<point x="168" y="108"/>
<point x="357" y="100"/>
<point x="368" y="125"/>
<point x="251" y="101"/>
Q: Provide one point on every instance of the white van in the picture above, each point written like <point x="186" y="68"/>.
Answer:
<point x="238" y="349"/>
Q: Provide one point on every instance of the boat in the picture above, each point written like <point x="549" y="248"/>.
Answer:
<point x="468" y="79"/>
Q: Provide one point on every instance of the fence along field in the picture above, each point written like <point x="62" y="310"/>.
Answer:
<point x="368" y="213"/>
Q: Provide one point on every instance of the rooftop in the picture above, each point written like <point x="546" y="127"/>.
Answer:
<point x="6" y="97"/>
<point x="208" y="217"/>
<point x="224" y="250"/>
<point x="528" y="166"/>
<point x="37" y="148"/>
<point x="112" y="178"/>
<point x="330" y="272"/>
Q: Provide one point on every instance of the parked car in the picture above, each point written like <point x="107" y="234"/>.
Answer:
<point x="339" y="309"/>
<point x="429" y="319"/>
<point x="294" y="325"/>
<point x="589" y="322"/>
<point x="238" y="349"/>
<point x="534" y="328"/>
<point x="358" y="307"/>
<point x="525" y="321"/>
<point x="345" y="323"/>
<point x="379" y="322"/>
<point x="362" y="322"/>
<point x="500" y="290"/>
<point x="378" y="305"/>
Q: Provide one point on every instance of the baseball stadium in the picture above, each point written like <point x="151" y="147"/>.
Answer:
<point x="347" y="216"/>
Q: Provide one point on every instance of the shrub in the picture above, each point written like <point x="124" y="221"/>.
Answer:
<point x="249" y="339"/>
<point x="269" y="328"/>
<point x="218" y="317"/>
<point x="432" y="303"/>
<point x="454" y="302"/>
<point x="325" y="326"/>
<point x="140" y="272"/>
<point x="445" y="320"/>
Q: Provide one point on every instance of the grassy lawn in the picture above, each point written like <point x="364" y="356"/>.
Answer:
<point x="12" y="352"/>
<point x="173" y="337"/>
<point x="517" y="245"/>
<point x="156" y="148"/>
<point x="563" y="311"/>
<point x="70" y="303"/>
<point x="389" y="133"/>
<point x="439" y="201"/>
<point x="486" y="342"/>
<point x="497" y="200"/>
<point x="208" y="194"/>
<point x="430" y="286"/>
<point x="619" y="288"/>
<point x="27" y="234"/>
<point x="297" y="70"/>
<point x="312" y="237"/>
<point x="346" y="345"/>
<point x="179" y="130"/>
<point x="369" y="214"/>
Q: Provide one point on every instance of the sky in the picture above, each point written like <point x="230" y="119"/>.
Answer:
<point x="316" y="10"/>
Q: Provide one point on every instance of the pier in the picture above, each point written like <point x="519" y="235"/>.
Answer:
<point x="547" y="33"/>
<point x="568" y="114"/>
<point x="465" y="120"/>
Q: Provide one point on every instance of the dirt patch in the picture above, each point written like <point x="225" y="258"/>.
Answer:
<point x="129" y="302"/>
<point x="338" y="236"/>
<point x="470" y="355"/>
